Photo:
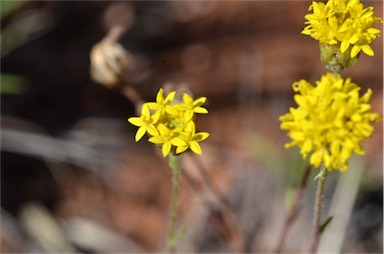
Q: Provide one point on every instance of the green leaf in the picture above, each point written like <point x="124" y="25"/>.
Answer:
<point x="322" y="173"/>
<point x="325" y="224"/>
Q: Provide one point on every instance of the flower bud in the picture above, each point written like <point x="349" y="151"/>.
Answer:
<point x="334" y="59"/>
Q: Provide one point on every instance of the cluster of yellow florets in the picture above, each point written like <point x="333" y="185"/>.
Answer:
<point x="330" y="120"/>
<point x="171" y="125"/>
<point x="345" y="23"/>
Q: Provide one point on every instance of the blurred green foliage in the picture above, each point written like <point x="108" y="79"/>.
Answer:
<point x="7" y="6"/>
<point x="288" y="165"/>
<point x="11" y="84"/>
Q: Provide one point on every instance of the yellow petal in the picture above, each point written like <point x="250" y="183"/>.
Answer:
<point x="335" y="148"/>
<point x="315" y="6"/>
<point x="297" y="135"/>
<point x="140" y="133"/>
<point x="200" y="136"/>
<point x="368" y="50"/>
<point x="172" y="110"/>
<point x="188" y="115"/>
<point x="135" y="121"/>
<point x="181" y="149"/>
<point x="356" y="118"/>
<point x="180" y="106"/>
<point x="152" y="105"/>
<point x="199" y="102"/>
<point x="332" y="22"/>
<point x="200" y="110"/>
<point x="160" y="96"/>
<point x="316" y="159"/>
<point x="300" y="100"/>
<point x="166" y="148"/>
<point x="327" y="160"/>
<point x="170" y="97"/>
<point x="187" y="99"/>
<point x="355" y="50"/>
<point x="344" y="46"/>
<point x="163" y="130"/>
<point x="178" y="142"/>
<point x="195" y="147"/>
<point x="307" y="147"/>
<point x="365" y="108"/>
<point x="152" y="130"/>
<point x="373" y="30"/>
<point x="156" y="117"/>
<point x="190" y="128"/>
<point x="157" y="140"/>
<point x="306" y="32"/>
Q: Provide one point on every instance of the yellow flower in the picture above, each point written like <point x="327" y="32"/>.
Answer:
<point x="145" y="121"/>
<point x="345" y="23"/>
<point x="330" y="121"/>
<point x="190" y="106"/>
<point x="166" y="138"/>
<point x="190" y="139"/>
<point x="162" y="104"/>
<point x="171" y="126"/>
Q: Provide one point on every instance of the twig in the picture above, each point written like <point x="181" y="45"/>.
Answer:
<point x="132" y="94"/>
<point x="114" y="34"/>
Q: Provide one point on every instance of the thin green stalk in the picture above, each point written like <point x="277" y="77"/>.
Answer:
<point x="317" y="211"/>
<point x="174" y="163"/>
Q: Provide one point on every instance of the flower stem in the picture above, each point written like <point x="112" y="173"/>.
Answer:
<point x="293" y="212"/>
<point x="317" y="213"/>
<point x="174" y="163"/>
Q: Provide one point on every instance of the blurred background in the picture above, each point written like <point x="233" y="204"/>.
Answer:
<point x="72" y="177"/>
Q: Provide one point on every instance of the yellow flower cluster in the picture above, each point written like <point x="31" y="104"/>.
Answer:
<point x="330" y="120"/>
<point x="171" y="125"/>
<point x="345" y="23"/>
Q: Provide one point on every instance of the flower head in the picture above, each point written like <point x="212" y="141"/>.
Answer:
<point x="189" y="139"/>
<point x="345" y="23"/>
<point x="330" y="120"/>
<point x="191" y="106"/>
<point x="171" y="126"/>
<point x="145" y="122"/>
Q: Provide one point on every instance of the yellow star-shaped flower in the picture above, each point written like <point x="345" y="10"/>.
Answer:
<point x="166" y="138"/>
<point x="191" y="139"/>
<point x="145" y="122"/>
<point x="171" y="125"/>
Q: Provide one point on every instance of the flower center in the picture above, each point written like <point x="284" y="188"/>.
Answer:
<point x="173" y="122"/>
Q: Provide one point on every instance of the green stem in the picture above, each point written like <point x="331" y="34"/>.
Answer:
<point x="174" y="163"/>
<point x="318" y="204"/>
